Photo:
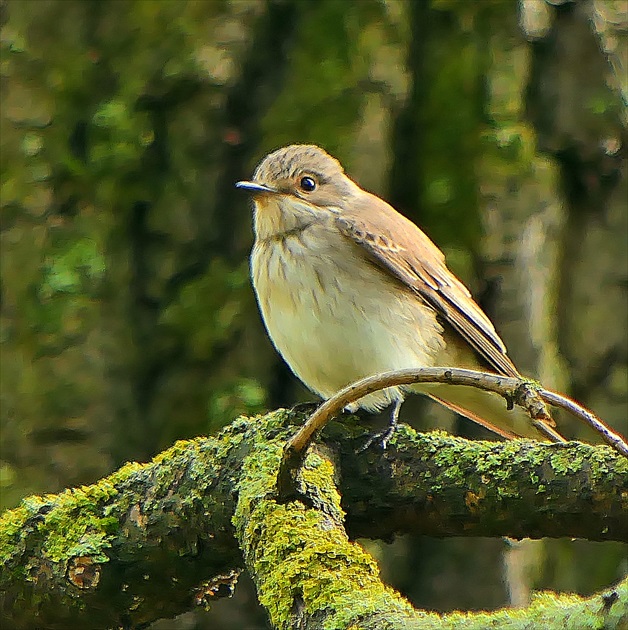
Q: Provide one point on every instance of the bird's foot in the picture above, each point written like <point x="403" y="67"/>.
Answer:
<point x="380" y="438"/>
<point x="383" y="437"/>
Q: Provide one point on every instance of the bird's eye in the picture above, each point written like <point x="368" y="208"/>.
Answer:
<point x="307" y="184"/>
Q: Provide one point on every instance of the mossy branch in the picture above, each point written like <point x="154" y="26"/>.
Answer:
<point x="310" y="575"/>
<point x="153" y="540"/>
<point x="439" y="485"/>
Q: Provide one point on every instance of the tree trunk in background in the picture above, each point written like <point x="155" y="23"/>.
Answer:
<point x="521" y="211"/>
<point x="127" y="316"/>
<point x="574" y="103"/>
<point x="576" y="108"/>
<point x="555" y="229"/>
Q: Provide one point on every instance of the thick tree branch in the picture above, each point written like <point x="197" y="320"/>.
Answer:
<point x="132" y="548"/>
<point x="309" y="575"/>
<point x="146" y="542"/>
<point x="440" y="485"/>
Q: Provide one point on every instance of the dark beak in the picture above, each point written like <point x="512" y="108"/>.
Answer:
<point x="255" y="187"/>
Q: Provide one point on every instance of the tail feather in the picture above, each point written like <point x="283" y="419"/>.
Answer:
<point x="490" y="411"/>
<point x="475" y="418"/>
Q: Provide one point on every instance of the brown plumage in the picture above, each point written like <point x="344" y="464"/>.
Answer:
<point x="348" y="287"/>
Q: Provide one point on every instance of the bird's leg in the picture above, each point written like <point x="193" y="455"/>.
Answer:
<point x="384" y="436"/>
<point x="392" y="423"/>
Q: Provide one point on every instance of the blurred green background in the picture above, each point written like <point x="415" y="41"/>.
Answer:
<point x="127" y="317"/>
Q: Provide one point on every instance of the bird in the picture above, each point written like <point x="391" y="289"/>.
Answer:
<point x="348" y="287"/>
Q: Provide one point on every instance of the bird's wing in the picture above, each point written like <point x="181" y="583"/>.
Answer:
<point x="398" y="246"/>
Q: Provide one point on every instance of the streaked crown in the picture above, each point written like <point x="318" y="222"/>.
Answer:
<point x="289" y="162"/>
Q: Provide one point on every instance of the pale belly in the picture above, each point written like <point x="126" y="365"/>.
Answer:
<point x="333" y="325"/>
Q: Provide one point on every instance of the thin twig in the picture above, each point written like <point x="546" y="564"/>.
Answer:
<point x="608" y="435"/>
<point x="517" y="390"/>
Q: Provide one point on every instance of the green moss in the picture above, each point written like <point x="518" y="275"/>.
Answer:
<point x="126" y="471"/>
<point x="563" y="462"/>
<point x="178" y="449"/>
<point x="73" y="523"/>
<point x="599" y="463"/>
<point x="298" y="552"/>
<point x="11" y="524"/>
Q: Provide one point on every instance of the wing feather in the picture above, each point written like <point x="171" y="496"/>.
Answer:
<point x="398" y="246"/>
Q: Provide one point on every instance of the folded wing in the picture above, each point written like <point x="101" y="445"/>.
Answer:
<point x="412" y="258"/>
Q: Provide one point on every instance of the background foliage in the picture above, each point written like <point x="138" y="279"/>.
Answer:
<point x="126" y="312"/>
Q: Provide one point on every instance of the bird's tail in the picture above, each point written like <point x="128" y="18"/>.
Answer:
<point x="490" y="411"/>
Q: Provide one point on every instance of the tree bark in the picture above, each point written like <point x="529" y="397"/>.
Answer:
<point x="152" y="540"/>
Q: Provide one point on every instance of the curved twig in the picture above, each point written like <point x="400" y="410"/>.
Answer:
<point x="608" y="435"/>
<point x="515" y="390"/>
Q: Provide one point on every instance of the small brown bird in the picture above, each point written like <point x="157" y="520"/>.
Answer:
<point x="349" y="288"/>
